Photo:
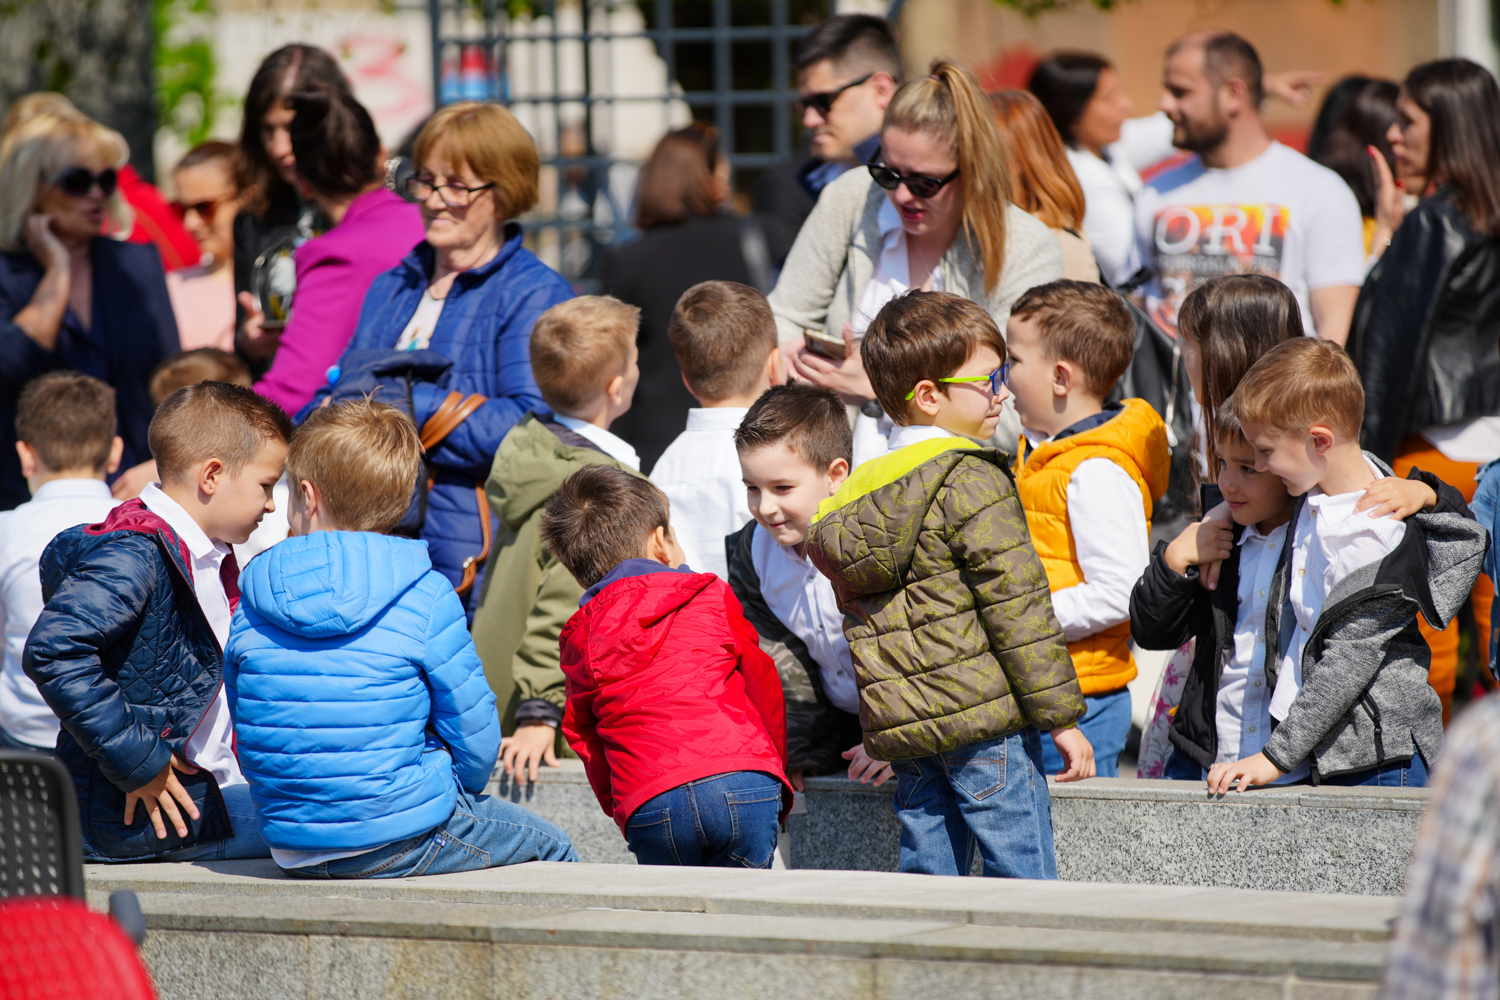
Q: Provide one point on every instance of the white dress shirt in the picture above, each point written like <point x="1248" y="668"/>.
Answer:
<point x="612" y="445"/>
<point x="1109" y="188"/>
<point x="700" y="474"/>
<point x="914" y="434"/>
<point x="1330" y="541"/>
<point x="24" y="534"/>
<point x="1107" y="519"/>
<point x="1242" y="714"/>
<point x="211" y="746"/>
<point x="802" y="599"/>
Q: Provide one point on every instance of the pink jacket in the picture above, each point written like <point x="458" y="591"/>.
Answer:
<point x="334" y="271"/>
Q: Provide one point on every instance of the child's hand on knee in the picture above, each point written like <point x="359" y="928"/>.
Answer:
<point x="863" y="768"/>
<point x="1256" y="770"/>
<point x="1077" y="753"/>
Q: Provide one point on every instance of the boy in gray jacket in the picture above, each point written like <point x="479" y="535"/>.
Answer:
<point x="1351" y="703"/>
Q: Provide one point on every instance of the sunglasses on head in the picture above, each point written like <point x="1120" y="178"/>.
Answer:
<point x="1000" y="376"/>
<point x="918" y="184"/>
<point x="823" y="103"/>
<point x="77" y="182"/>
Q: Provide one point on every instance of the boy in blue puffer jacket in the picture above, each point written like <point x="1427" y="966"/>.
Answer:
<point x="363" y="720"/>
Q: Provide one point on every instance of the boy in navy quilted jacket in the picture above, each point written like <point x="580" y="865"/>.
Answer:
<point x="362" y="717"/>
<point x="128" y="651"/>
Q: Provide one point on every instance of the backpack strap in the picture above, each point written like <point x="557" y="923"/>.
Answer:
<point x="455" y="410"/>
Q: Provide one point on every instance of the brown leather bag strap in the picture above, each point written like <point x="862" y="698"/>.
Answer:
<point x="454" y="411"/>
<point x="472" y="564"/>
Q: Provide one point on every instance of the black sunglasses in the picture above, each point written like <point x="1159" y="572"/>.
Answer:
<point x="823" y="103"/>
<point x="77" y="182"/>
<point x="918" y="184"/>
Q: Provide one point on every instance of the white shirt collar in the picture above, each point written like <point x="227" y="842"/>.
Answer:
<point x="716" y="418"/>
<point x="914" y="433"/>
<point x="180" y="521"/>
<point x="616" y="448"/>
<point x="60" y="488"/>
<point x="1252" y="533"/>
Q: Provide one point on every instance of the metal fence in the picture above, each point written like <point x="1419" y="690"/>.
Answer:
<point x="597" y="82"/>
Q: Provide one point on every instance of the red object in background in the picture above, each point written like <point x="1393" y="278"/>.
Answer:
<point x="56" y="948"/>
<point x="155" y="222"/>
<point x="1010" y="70"/>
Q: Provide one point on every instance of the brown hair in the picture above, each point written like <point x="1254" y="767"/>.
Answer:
<point x="599" y="517"/>
<point x="364" y="457"/>
<point x="69" y="418"/>
<point x="1226" y="428"/>
<point x="1041" y="179"/>
<point x="1300" y="383"/>
<point x="213" y="151"/>
<point x="1083" y="323"/>
<point x="948" y="105"/>
<point x="205" y="364"/>
<point x="212" y="420"/>
<point x="722" y="332"/>
<point x="678" y="180"/>
<point x="1226" y="56"/>
<point x="488" y="139"/>
<point x="577" y="346"/>
<point x="808" y="419"/>
<point x="289" y="69"/>
<point x="335" y="142"/>
<point x="1234" y="319"/>
<point x="923" y="335"/>
<point x="1463" y="101"/>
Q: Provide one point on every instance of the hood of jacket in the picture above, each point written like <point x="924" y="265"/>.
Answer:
<point x="531" y="463"/>
<point x="871" y="562"/>
<point x="1135" y="435"/>
<point x="331" y="583"/>
<point x="643" y="599"/>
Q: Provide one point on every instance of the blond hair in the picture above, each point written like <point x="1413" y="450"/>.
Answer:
<point x="578" y="346"/>
<point x="36" y="151"/>
<point x="38" y="102"/>
<point x="488" y="139"/>
<point x="364" y="457"/>
<point x="948" y="106"/>
<point x="1299" y="383"/>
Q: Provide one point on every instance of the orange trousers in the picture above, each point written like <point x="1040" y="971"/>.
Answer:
<point x="1416" y="452"/>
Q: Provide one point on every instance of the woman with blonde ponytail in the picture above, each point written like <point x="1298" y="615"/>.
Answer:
<point x="930" y="213"/>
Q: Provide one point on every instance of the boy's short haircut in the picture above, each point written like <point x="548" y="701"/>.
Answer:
<point x="599" y="517"/>
<point x="577" y="346"/>
<point x="213" y="420"/>
<point x="1300" y="383"/>
<point x="364" y="457"/>
<point x="1227" y="429"/>
<point x="68" y="418"/>
<point x="923" y="335"/>
<point x="722" y="332"/>
<point x="808" y="419"/>
<point x="206" y="364"/>
<point x="1085" y="324"/>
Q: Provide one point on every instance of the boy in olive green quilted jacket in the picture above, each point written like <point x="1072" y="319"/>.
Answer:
<point x="957" y="653"/>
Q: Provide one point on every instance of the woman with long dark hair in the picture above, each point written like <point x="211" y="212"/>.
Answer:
<point x="1424" y="326"/>
<point x="1356" y="116"/>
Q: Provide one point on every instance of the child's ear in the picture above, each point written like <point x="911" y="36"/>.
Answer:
<point x="1322" y="437"/>
<point x="925" y="397"/>
<point x="838" y="471"/>
<point x="776" y="367"/>
<point x="29" y="461"/>
<point x="116" y="453"/>
<point x="1063" y="378"/>
<point x="210" y="474"/>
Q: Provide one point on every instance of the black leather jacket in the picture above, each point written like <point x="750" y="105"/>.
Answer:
<point x="1426" y="325"/>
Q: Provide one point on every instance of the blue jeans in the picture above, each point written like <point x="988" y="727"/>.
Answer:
<point x="485" y="831"/>
<point x="1411" y="774"/>
<point x="1107" y="726"/>
<point x="726" y="821"/>
<point x="1181" y="767"/>
<point x="246" y="842"/>
<point x="992" y="795"/>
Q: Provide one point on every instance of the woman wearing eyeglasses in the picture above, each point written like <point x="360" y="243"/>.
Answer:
<point x="471" y="293"/>
<point x="339" y="167"/>
<point x="69" y="296"/>
<point x="930" y="213"/>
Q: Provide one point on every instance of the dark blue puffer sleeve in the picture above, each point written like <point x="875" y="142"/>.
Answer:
<point x="102" y="598"/>
<point x="463" y="706"/>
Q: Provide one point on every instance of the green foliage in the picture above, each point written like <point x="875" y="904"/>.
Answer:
<point x="186" y="101"/>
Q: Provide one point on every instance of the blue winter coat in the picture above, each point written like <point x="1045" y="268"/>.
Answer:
<point x="124" y="656"/>
<point x="356" y="693"/>
<point x="485" y="328"/>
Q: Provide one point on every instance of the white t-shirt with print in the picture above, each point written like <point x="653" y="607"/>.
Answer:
<point x="1281" y="214"/>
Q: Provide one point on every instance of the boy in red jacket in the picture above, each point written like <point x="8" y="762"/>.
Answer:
<point x="677" y="714"/>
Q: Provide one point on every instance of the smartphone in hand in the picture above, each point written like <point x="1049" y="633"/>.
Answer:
<point x="825" y="345"/>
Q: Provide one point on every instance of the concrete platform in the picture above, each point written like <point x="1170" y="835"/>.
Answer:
<point x="241" y="929"/>
<point x="1107" y="830"/>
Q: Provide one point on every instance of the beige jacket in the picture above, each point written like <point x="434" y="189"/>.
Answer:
<point x="834" y="258"/>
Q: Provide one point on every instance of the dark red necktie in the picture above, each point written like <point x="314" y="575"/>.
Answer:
<point x="229" y="576"/>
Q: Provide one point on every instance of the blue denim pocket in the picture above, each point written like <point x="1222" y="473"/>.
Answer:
<point x="752" y="818"/>
<point x="978" y="770"/>
<point x="909" y="777"/>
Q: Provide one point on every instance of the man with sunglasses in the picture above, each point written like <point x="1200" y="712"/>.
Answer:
<point x="848" y="69"/>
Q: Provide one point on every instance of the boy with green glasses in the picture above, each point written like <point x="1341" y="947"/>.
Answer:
<point x="958" y="658"/>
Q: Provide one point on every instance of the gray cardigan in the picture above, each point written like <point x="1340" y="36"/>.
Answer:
<point x="834" y="258"/>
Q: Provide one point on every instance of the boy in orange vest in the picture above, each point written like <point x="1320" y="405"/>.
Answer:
<point x="1087" y="474"/>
